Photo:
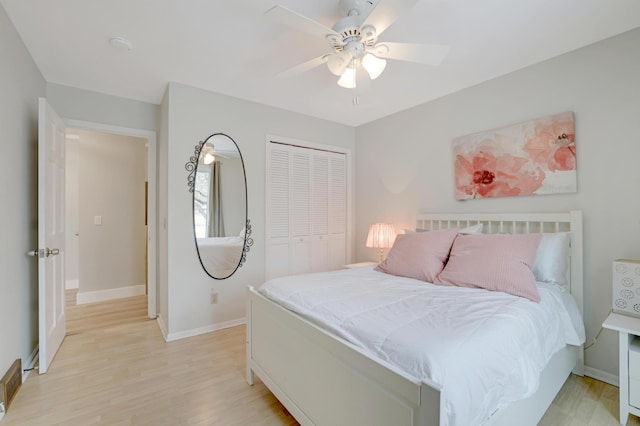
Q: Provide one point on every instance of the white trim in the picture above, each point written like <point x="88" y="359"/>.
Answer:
<point x="202" y="330"/>
<point x="71" y="284"/>
<point x="603" y="376"/>
<point x="152" y="194"/>
<point x="306" y="144"/>
<point x="110" y="294"/>
<point x="163" y="327"/>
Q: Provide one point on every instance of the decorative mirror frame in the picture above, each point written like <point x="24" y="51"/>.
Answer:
<point x="192" y="167"/>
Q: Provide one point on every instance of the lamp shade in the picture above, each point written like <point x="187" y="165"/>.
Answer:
<point x="348" y="79"/>
<point x="373" y="65"/>
<point x="339" y="62"/>
<point x="381" y="235"/>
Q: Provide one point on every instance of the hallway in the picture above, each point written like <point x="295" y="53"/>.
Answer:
<point x="81" y="318"/>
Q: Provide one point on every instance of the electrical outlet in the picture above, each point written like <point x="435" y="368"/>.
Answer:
<point x="214" y="297"/>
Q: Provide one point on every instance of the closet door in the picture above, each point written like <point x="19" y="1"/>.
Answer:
<point x="278" y="198"/>
<point x="319" y="211"/>
<point x="337" y="211"/>
<point x="307" y="205"/>
<point x="300" y="210"/>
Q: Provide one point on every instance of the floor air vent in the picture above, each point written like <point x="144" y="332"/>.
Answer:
<point x="10" y="383"/>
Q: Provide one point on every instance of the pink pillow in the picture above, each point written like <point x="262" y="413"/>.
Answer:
<point x="496" y="262"/>
<point x="421" y="255"/>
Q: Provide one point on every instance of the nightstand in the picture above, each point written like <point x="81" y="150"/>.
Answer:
<point x="359" y="265"/>
<point x="629" y="329"/>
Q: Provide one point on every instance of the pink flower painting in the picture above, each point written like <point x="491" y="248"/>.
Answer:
<point x="536" y="157"/>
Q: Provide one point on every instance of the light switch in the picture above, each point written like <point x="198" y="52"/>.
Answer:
<point x="97" y="220"/>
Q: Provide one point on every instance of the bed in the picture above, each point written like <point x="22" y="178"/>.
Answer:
<point x="221" y="254"/>
<point x="324" y="375"/>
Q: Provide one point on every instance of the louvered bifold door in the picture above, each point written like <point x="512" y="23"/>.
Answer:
<point x="306" y="210"/>
<point x="319" y="211"/>
<point x="300" y="206"/>
<point x="278" y="198"/>
<point x="337" y="211"/>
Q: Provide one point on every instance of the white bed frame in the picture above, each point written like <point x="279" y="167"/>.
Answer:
<point x="324" y="380"/>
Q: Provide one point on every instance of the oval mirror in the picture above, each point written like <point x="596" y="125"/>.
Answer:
<point x="218" y="183"/>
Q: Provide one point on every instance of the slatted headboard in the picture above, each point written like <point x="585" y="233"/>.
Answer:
<point x="520" y="223"/>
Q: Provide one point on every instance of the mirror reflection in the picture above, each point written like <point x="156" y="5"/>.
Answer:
<point x="220" y="206"/>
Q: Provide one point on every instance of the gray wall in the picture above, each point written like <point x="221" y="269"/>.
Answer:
<point x="192" y="115"/>
<point x="404" y="162"/>
<point x="112" y="175"/>
<point x="21" y="84"/>
<point x="84" y="105"/>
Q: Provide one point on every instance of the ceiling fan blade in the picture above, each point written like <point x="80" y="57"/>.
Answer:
<point x="303" y="67"/>
<point x="386" y="13"/>
<point x="428" y="54"/>
<point x="298" y="21"/>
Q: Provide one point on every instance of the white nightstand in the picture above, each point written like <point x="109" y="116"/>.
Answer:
<point x="629" y="329"/>
<point x="359" y="265"/>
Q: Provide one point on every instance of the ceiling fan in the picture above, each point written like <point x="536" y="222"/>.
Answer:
<point x="210" y="153"/>
<point x="354" y="39"/>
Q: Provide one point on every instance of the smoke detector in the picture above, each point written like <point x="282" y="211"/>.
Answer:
<point x="121" y="43"/>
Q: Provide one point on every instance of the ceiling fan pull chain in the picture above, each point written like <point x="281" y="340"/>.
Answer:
<point x="356" y="99"/>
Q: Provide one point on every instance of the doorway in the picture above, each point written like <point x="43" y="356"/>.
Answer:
<point x="110" y="223"/>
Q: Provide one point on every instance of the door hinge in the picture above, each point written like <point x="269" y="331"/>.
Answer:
<point x="42" y="253"/>
<point x="36" y="253"/>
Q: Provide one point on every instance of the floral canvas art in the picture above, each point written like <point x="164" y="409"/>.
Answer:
<point x="531" y="158"/>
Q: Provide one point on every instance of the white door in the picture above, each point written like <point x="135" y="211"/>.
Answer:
<point x="319" y="211"/>
<point x="52" y="325"/>
<point x="278" y="199"/>
<point x="337" y="211"/>
<point x="300" y="175"/>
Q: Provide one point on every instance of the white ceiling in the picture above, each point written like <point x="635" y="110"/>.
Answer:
<point x="230" y="47"/>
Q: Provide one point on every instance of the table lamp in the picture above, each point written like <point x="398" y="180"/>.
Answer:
<point x="382" y="236"/>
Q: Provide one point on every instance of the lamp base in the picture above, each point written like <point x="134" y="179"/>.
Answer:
<point x="381" y="255"/>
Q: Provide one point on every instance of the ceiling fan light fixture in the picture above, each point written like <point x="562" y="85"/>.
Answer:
<point x="208" y="158"/>
<point x="335" y="64"/>
<point x="348" y="79"/>
<point x="373" y="65"/>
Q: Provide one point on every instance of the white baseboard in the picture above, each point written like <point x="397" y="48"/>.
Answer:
<point x="71" y="284"/>
<point x="113" y="293"/>
<point x="603" y="376"/>
<point x="202" y="330"/>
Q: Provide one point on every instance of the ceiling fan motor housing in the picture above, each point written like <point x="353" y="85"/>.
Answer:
<point x="356" y="48"/>
<point x="356" y="7"/>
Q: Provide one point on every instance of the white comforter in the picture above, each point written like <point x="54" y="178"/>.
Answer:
<point x="485" y="348"/>
<point x="220" y="255"/>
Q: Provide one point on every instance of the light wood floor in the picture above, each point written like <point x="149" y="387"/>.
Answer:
<point x="85" y="317"/>
<point x="126" y="374"/>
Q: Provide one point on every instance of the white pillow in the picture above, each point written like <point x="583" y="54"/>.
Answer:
<point x="552" y="258"/>
<point x="473" y="229"/>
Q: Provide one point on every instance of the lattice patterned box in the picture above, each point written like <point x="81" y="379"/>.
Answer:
<point x="626" y="287"/>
